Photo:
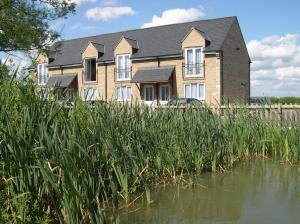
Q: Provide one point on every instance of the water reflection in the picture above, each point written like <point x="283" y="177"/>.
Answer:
<point x="255" y="192"/>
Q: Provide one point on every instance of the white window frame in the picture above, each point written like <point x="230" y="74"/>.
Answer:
<point x="198" y="84"/>
<point x="160" y="93"/>
<point x="201" y="74"/>
<point x="144" y="93"/>
<point x="85" y="68"/>
<point x="44" y="94"/>
<point x="95" y="95"/>
<point x="123" y="67"/>
<point x="124" y="98"/>
<point x="44" y="79"/>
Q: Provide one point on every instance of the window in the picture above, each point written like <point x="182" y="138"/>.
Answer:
<point x="193" y="62"/>
<point x="59" y="94"/>
<point x="124" y="93"/>
<point x="42" y="74"/>
<point x="148" y="93"/>
<point x="123" y="67"/>
<point x="70" y="94"/>
<point x="90" y="94"/>
<point x="164" y="93"/>
<point x="90" y="70"/>
<point x="194" y="90"/>
<point x="44" y="94"/>
<point x="62" y="94"/>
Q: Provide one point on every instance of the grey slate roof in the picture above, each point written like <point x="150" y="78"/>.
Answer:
<point x="152" y="42"/>
<point x="61" y="80"/>
<point x="133" y="43"/>
<point x="153" y="74"/>
<point x="100" y="47"/>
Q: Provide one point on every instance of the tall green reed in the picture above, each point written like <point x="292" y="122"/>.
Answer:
<point x="83" y="163"/>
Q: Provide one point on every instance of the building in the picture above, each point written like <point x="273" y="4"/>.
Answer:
<point x="205" y="59"/>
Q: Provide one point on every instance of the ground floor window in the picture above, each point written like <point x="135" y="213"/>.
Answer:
<point x="64" y="94"/>
<point x="90" y="94"/>
<point x="164" y="92"/>
<point x="148" y="93"/>
<point x="194" y="90"/>
<point x="44" y="94"/>
<point x="124" y="93"/>
<point x="70" y="94"/>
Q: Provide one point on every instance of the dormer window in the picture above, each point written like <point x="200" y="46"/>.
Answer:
<point x="123" y="71"/>
<point x="194" y="62"/>
<point x="90" y="73"/>
<point x="42" y="74"/>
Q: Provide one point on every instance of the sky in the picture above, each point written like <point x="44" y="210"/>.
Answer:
<point x="271" y="30"/>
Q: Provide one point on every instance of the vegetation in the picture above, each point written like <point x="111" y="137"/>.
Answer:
<point x="285" y="100"/>
<point x="80" y="165"/>
<point x="26" y="24"/>
<point x="275" y="100"/>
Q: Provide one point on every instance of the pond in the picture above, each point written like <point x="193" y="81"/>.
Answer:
<point x="254" y="192"/>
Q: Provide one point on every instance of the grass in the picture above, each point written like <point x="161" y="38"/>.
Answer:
<point x="77" y="166"/>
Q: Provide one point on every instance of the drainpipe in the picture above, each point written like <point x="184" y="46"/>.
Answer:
<point x="249" y="82"/>
<point x="221" y="77"/>
<point x="157" y="85"/>
<point x="105" y="82"/>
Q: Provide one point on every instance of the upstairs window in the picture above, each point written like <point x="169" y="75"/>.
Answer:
<point x="42" y="74"/>
<point x="123" y="67"/>
<point x="124" y="93"/>
<point x="194" y="90"/>
<point x="193" y="61"/>
<point x="90" y="70"/>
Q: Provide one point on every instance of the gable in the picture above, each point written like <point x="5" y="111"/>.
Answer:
<point x="41" y="59"/>
<point x="123" y="47"/>
<point x="193" y="39"/>
<point x="235" y="41"/>
<point x="90" y="51"/>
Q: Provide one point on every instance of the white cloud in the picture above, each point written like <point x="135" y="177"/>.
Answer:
<point x="80" y="2"/>
<point x="275" y="69"/>
<point x="109" y="2"/>
<point x="109" y="13"/>
<point x="175" y="16"/>
<point x="81" y="26"/>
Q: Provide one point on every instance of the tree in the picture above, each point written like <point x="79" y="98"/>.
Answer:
<point x="25" y="24"/>
<point x="4" y="71"/>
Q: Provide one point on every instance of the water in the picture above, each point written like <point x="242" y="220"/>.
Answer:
<point x="257" y="192"/>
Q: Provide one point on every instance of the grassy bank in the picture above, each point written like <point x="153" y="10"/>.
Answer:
<point x="69" y="166"/>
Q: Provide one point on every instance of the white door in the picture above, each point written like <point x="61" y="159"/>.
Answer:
<point x="148" y="94"/>
<point x="164" y="94"/>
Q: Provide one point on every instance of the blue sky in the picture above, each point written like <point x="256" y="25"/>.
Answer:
<point x="258" y="18"/>
<point x="270" y="27"/>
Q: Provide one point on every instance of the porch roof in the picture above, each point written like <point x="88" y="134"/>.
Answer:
<point x="153" y="74"/>
<point x="62" y="81"/>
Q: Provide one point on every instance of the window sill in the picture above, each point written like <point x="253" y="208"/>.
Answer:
<point x="194" y="76"/>
<point x="122" y="80"/>
<point x="90" y="82"/>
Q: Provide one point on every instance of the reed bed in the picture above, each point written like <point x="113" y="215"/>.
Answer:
<point x="79" y="165"/>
